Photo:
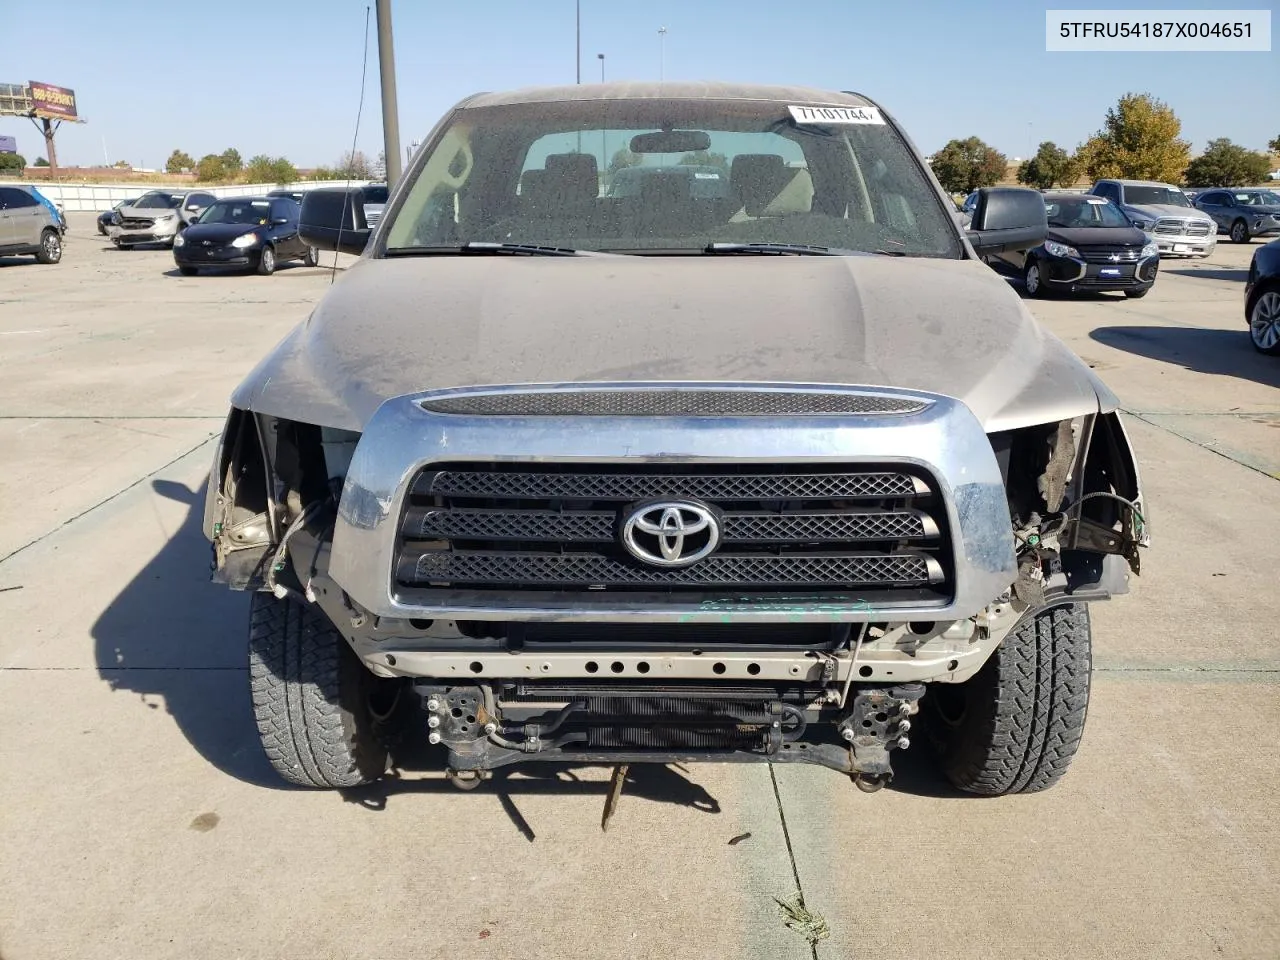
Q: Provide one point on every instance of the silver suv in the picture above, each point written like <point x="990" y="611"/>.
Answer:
<point x="156" y="217"/>
<point x="28" y="226"/>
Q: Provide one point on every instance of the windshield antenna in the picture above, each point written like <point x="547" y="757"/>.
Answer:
<point x="346" y="197"/>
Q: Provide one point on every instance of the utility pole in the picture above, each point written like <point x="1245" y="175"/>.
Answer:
<point x="390" y="113"/>
<point x="577" y="22"/>
<point x="662" y="53"/>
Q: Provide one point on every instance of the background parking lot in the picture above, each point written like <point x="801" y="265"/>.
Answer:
<point x="140" y="818"/>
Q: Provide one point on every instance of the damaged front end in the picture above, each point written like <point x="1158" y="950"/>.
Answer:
<point x="1018" y="521"/>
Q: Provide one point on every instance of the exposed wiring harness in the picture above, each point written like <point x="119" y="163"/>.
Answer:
<point x="278" y="559"/>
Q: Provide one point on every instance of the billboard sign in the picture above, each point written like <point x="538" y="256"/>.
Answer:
<point x="8" y="145"/>
<point x="55" y="103"/>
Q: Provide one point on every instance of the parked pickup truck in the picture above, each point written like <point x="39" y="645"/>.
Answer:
<point x="1163" y="211"/>
<point x="778" y="473"/>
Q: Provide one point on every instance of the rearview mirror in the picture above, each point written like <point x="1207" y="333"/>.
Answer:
<point x="670" y="141"/>
<point x="332" y="218"/>
<point x="1007" y="218"/>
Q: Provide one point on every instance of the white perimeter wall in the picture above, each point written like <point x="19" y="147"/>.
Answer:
<point x="103" y="196"/>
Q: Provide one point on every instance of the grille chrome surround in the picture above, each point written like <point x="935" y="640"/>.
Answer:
<point x="944" y="444"/>
<point x="1099" y="253"/>
<point x="672" y="403"/>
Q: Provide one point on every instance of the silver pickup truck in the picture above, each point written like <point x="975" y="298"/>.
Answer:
<point x="776" y="473"/>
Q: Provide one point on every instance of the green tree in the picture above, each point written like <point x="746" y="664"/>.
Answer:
<point x="13" y="162"/>
<point x="705" y="158"/>
<point x="963" y="166"/>
<point x="41" y="162"/>
<point x="178" y="161"/>
<point x="1227" y="164"/>
<point x="624" y="158"/>
<point x="282" y="171"/>
<point x="258" y="169"/>
<point x="1139" y="141"/>
<point x="209" y="168"/>
<point x="323" y="173"/>
<point x="1274" y="145"/>
<point x="1051" y="166"/>
<point x="231" y="161"/>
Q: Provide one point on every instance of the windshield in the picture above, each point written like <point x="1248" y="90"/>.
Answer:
<point x="247" y="212"/>
<point x="1084" y="212"/>
<point x="669" y="176"/>
<point x="1258" y="198"/>
<point x="1143" y="196"/>
<point x="157" y="201"/>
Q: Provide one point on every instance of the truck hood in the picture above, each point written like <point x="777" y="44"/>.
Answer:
<point x="1154" y="211"/>
<point x="391" y="327"/>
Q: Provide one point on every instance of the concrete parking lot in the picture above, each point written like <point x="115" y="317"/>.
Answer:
<point x="139" y="819"/>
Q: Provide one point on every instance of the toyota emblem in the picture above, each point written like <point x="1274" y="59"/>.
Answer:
<point x="670" y="533"/>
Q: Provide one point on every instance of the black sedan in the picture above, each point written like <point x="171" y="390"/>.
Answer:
<point x="1262" y="299"/>
<point x="1091" y="246"/>
<point x="255" y="233"/>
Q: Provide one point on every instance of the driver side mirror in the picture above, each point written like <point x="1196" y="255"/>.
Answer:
<point x="332" y="218"/>
<point x="1007" y="218"/>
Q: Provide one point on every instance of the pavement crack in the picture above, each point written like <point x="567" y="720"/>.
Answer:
<point x="1202" y="446"/>
<point x="104" y="502"/>
<point x="797" y="915"/>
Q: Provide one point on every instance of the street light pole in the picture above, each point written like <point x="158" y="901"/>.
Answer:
<point x="390" y="113"/>
<point x="604" y="160"/>
<point x="577" y="23"/>
<point x="662" y="53"/>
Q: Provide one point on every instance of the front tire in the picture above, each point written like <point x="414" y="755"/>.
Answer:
<point x="1016" y="724"/>
<point x="312" y="257"/>
<point x="1032" y="280"/>
<point x="1264" y="323"/>
<point x="316" y="704"/>
<point x="1240" y="232"/>
<point x="50" y="247"/>
<point x="267" y="261"/>
<point x="188" y="271"/>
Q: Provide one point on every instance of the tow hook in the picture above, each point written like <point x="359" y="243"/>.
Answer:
<point x="467" y="779"/>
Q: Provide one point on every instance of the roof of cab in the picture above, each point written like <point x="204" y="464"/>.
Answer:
<point x="702" y="90"/>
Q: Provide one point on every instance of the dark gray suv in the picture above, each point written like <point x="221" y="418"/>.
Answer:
<point x="1242" y="214"/>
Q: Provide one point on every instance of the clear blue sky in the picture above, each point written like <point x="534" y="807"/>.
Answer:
<point x="284" y="78"/>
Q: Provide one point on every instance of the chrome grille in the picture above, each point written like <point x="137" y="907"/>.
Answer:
<point x="137" y="223"/>
<point x="514" y="527"/>
<point x="1175" y="227"/>
<point x="672" y="403"/>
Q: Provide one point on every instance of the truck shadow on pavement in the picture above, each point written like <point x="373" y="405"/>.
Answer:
<point x="1209" y="273"/>
<point x="1225" y="353"/>
<point x="178" y="642"/>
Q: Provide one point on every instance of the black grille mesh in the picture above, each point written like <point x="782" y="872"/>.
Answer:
<point x="719" y="570"/>
<point x="518" y="485"/>
<point x="601" y="527"/>
<point x="671" y="403"/>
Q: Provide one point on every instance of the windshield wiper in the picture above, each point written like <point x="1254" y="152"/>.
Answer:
<point x="777" y="249"/>
<point x="485" y="248"/>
